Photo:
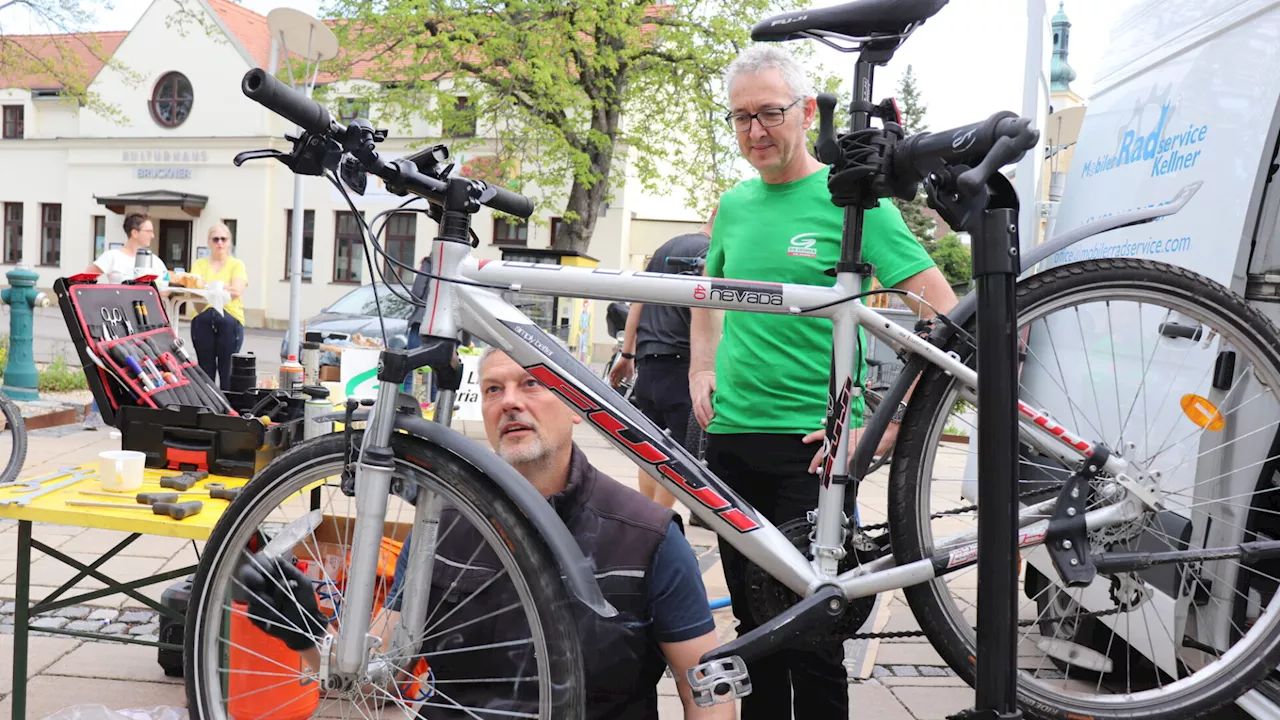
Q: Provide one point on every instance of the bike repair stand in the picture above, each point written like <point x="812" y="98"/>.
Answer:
<point x="992" y="220"/>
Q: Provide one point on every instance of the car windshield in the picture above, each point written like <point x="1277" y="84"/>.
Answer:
<point x="360" y="302"/>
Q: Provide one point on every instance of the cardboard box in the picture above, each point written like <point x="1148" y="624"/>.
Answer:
<point x="330" y="373"/>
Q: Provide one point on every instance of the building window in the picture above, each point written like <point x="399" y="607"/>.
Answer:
<point x="99" y="235"/>
<point x="50" y="234"/>
<point x="555" y="227"/>
<point x="348" y="254"/>
<point x="13" y="122"/>
<point x="351" y="108"/>
<point x="231" y="225"/>
<point x="460" y="121"/>
<point x="401" y="231"/>
<point x="507" y="232"/>
<point x="308" y="241"/>
<point x="171" y="100"/>
<point x="12" y="233"/>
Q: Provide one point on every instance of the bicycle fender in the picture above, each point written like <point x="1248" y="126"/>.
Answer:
<point x="578" y="573"/>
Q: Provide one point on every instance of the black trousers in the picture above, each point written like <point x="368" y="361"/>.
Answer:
<point x="217" y="337"/>
<point x="662" y="393"/>
<point x="772" y="473"/>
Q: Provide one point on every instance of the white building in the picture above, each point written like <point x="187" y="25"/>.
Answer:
<point x="71" y="175"/>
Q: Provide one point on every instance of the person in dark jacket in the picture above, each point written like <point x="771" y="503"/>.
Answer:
<point x="645" y="567"/>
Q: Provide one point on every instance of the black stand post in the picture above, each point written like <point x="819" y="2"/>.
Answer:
<point x="995" y="268"/>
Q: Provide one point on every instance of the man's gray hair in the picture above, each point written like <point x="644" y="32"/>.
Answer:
<point x="769" y="56"/>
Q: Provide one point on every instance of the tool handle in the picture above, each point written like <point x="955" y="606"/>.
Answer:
<point x="223" y="493"/>
<point x="178" y="511"/>
<point x="178" y="482"/>
<point x="151" y="498"/>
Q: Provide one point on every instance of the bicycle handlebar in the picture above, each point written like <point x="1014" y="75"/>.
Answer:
<point x="312" y="117"/>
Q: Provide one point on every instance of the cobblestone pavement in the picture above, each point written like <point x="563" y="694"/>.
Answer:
<point x="892" y="680"/>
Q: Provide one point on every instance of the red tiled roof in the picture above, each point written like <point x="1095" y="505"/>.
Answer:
<point x="91" y="50"/>
<point x="249" y="28"/>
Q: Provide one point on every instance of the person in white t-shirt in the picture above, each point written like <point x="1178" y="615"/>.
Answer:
<point x="123" y="260"/>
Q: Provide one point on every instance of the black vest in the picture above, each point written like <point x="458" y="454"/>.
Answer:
<point x="619" y="530"/>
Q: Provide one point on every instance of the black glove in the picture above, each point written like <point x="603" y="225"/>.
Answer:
<point x="282" y="602"/>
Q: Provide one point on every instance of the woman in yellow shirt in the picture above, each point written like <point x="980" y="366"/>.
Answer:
<point x="218" y="337"/>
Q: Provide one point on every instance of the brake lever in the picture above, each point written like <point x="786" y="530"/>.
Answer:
<point x="247" y="155"/>
<point x="1004" y="151"/>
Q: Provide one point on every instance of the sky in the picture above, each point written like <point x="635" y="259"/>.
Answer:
<point x="968" y="64"/>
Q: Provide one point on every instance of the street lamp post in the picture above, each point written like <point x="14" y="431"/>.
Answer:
<point x="314" y="42"/>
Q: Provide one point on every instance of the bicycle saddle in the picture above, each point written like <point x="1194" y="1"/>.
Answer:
<point x="860" y="19"/>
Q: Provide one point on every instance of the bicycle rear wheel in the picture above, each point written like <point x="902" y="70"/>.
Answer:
<point x="1176" y="374"/>
<point x="13" y="440"/>
<point x="500" y="637"/>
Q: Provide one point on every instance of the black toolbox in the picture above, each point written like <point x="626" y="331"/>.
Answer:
<point x="147" y="385"/>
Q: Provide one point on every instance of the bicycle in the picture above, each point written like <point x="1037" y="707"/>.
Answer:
<point x="1105" y="514"/>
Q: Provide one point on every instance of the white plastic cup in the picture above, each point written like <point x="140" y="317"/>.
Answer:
<point x="121" y="470"/>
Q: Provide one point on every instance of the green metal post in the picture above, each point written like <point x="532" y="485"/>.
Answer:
<point x="21" y="382"/>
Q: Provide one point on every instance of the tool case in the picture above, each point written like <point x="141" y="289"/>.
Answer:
<point x="147" y="385"/>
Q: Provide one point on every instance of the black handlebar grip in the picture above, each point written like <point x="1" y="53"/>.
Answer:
<point x="286" y="102"/>
<point x="504" y="200"/>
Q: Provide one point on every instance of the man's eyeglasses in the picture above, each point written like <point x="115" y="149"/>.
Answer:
<point x="220" y="239"/>
<point x="769" y="117"/>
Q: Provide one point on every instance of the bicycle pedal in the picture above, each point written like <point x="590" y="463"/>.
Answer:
<point x="719" y="681"/>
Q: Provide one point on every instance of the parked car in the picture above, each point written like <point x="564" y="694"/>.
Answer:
<point x="356" y="312"/>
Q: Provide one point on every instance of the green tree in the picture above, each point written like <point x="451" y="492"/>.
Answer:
<point x="554" y="80"/>
<point x="914" y="212"/>
<point x="52" y="56"/>
<point x="953" y="259"/>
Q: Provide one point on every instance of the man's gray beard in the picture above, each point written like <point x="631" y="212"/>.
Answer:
<point x="525" y="454"/>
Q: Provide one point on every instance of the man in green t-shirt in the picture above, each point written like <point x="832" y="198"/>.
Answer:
<point x="759" y="382"/>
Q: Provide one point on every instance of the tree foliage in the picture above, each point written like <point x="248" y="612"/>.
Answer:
<point x="953" y="259"/>
<point x="911" y="106"/>
<point x="59" y="60"/>
<point x="568" y="95"/>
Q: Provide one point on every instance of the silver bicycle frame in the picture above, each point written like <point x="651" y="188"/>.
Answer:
<point x="453" y="307"/>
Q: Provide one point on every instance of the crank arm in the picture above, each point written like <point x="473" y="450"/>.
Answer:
<point x="1249" y="552"/>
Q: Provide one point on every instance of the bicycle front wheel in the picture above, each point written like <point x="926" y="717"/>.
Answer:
<point x="500" y="637"/>
<point x="1175" y="374"/>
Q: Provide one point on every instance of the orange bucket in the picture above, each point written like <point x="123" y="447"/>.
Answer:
<point x="258" y="686"/>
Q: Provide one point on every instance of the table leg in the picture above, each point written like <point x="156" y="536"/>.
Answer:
<point x="20" y="621"/>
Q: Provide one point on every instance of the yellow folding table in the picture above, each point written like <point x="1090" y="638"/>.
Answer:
<point x="44" y="499"/>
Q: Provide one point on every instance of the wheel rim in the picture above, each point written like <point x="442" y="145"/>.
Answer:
<point x="214" y="646"/>
<point x="1211" y="671"/>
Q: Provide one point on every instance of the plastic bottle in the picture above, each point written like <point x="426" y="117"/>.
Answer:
<point x="291" y="374"/>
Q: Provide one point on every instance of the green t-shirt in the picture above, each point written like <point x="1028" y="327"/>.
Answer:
<point x="772" y="371"/>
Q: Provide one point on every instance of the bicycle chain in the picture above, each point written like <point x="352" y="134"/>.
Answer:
<point x="966" y="508"/>
<point x="1021" y="623"/>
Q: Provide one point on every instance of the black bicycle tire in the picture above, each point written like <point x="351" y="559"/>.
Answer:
<point x="13" y="419"/>
<point x="552" y="598"/>
<point x="905" y="531"/>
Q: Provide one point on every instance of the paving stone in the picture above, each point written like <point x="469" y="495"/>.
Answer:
<point x="48" y="623"/>
<point x="931" y="671"/>
<point x="74" y="612"/>
<point x="104" y="614"/>
<point x="84" y="625"/>
<point x="934" y="703"/>
<point x="47" y="694"/>
<point x="876" y="701"/>
<point x="8" y="608"/>
<point x="41" y="653"/>
<point x="6" y="629"/>
<point x="137" y="616"/>
<point x="150" y="638"/>
<point x="144" y="629"/>
<point x="115" y="629"/>
<point x="880" y="671"/>
<point x="905" y="671"/>
<point x="110" y="661"/>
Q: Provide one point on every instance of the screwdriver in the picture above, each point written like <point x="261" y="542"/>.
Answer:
<point x="177" y="511"/>
<point x="217" y="491"/>
<point x="184" y="481"/>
